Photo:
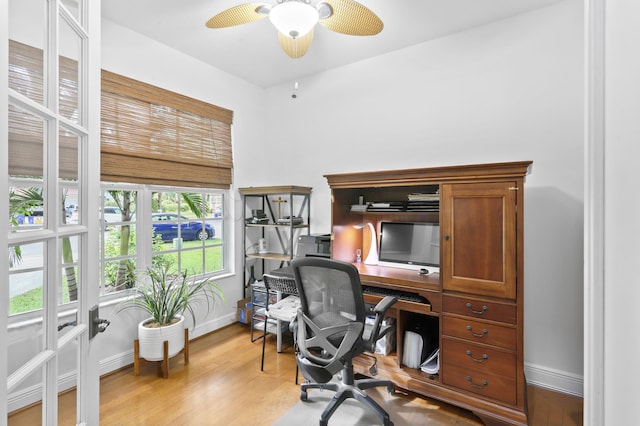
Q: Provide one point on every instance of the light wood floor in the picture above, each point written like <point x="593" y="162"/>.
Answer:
<point x="223" y="385"/>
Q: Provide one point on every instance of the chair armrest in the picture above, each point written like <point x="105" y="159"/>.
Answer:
<point x="384" y="304"/>
<point x="380" y="309"/>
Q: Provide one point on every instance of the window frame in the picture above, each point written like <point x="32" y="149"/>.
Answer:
<point x="144" y="246"/>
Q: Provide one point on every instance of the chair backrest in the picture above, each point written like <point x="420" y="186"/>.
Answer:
<point x="331" y="318"/>
<point x="279" y="283"/>
<point x="330" y="291"/>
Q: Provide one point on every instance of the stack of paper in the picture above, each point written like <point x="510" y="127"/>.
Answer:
<point x="359" y="207"/>
<point x="431" y="365"/>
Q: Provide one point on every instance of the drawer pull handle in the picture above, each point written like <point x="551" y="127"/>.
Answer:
<point x="485" y="308"/>
<point x="482" y="386"/>
<point x="484" y="332"/>
<point x="478" y="360"/>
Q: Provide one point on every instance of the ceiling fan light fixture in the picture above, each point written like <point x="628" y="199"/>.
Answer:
<point x="324" y="10"/>
<point x="294" y="18"/>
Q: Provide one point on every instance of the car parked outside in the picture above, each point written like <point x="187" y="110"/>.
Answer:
<point x="112" y="214"/>
<point x="166" y="225"/>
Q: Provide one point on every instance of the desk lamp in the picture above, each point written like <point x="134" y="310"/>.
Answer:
<point x="372" y="257"/>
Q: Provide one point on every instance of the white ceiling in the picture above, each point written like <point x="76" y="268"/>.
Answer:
<point x="251" y="51"/>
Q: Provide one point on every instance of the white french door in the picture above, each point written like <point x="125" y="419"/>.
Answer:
<point x="49" y="185"/>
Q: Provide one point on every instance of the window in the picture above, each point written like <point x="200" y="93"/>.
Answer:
<point x="143" y="224"/>
<point x="174" y="153"/>
<point x="188" y="229"/>
<point x="119" y="258"/>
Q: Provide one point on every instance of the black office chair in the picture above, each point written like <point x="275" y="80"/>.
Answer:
<point x="331" y="330"/>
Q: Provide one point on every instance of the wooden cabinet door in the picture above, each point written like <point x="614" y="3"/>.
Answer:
<point x="478" y="227"/>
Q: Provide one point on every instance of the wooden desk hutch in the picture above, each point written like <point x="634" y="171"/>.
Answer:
<point x="477" y="298"/>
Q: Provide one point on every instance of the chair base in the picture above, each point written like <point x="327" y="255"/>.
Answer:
<point x="354" y="390"/>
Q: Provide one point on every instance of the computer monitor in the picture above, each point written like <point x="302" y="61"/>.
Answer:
<point x="410" y="245"/>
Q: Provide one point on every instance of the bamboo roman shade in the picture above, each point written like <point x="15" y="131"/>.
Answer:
<point x="148" y="135"/>
<point x="154" y="136"/>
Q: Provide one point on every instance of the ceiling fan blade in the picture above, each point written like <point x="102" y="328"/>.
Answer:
<point x="238" y="15"/>
<point x="351" y="18"/>
<point x="295" y="47"/>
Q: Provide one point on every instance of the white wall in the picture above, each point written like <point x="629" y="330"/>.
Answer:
<point x="512" y="90"/>
<point x="622" y="210"/>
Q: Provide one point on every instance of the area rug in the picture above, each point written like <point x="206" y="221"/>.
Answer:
<point x="403" y="409"/>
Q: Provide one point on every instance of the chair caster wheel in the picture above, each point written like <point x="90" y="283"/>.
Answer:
<point x="391" y="390"/>
<point x="324" y="422"/>
<point x="303" y="395"/>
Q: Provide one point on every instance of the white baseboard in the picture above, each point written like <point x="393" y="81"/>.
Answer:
<point x="125" y="359"/>
<point x="555" y="380"/>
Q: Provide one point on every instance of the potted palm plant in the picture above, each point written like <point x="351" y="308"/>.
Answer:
<point x="167" y="296"/>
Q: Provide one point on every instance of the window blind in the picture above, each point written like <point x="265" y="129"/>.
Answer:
<point x="155" y="136"/>
<point x="148" y="135"/>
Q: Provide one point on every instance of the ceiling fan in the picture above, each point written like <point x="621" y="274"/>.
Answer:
<point x="295" y="19"/>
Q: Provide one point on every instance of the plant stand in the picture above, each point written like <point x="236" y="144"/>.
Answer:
<point x="163" y="365"/>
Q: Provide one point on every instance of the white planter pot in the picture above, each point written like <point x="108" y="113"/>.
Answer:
<point x="151" y="340"/>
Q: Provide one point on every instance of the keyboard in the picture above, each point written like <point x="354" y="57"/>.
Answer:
<point x="401" y="295"/>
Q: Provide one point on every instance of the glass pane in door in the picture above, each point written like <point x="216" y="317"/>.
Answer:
<point x="26" y="169"/>
<point x="27" y="26"/>
<point x="26" y="277"/>
<point x="68" y="158"/>
<point x="70" y="49"/>
<point x="32" y="416"/>
<point x="72" y="7"/>
<point x="68" y="292"/>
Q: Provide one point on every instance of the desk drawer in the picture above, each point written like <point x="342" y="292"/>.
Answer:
<point x="501" y="388"/>
<point x="480" y="358"/>
<point x="479" y="308"/>
<point x="480" y="332"/>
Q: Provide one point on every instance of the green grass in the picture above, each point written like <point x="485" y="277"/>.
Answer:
<point x="190" y="260"/>
<point x="24" y="302"/>
<point x="31" y="300"/>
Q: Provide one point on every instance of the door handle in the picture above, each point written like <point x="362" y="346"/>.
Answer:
<point x="96" y="325"/>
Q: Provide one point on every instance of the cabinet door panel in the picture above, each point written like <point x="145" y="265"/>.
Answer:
<point x="479" y="238"/>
